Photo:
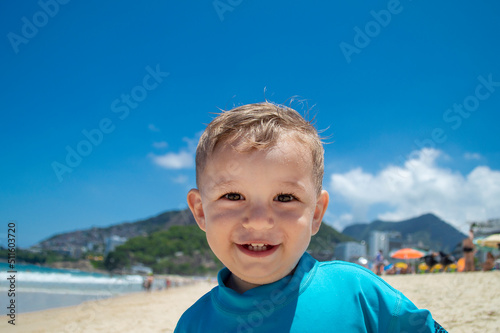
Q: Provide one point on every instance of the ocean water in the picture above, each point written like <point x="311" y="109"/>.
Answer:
<point x="40" y="288"/>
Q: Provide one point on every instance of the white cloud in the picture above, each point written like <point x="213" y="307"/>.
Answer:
<point x="472" y="156"/>
<point x="183" y="159"/>
<point x="180" y="179"/>
<point x="153" y="128"/>
<point x="338" y="221"/>
<point x="180" y="160"/>
<point x="161" y="144"/>
<point x="193" y="142"/>
<point x="420" y="186"/>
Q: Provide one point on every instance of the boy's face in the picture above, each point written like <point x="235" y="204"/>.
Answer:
<point x="264" y="197"/>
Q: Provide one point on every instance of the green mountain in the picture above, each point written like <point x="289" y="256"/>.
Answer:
<point x="428" y="230"/>
<point x="322" y="246"/>
<point x="178" y="250"/>
<point x="94" y="239"/>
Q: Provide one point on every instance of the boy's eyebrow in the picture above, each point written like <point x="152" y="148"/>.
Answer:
<point x="222" y="184"/>
<point x="230" y="185"/>
<point x="295" y="184"/>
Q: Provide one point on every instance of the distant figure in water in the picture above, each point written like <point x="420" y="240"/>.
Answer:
<point x="148" y="282"/>
<point x="468" y="248"/>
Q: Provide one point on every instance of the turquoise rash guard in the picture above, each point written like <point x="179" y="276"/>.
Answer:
<point x="332" y="296"/>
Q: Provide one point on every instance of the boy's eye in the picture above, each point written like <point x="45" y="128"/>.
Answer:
<point x="285" y="197"/>
<point x="233" y="196"/>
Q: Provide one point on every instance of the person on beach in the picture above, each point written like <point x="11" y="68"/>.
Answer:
<point x="259" y="199"/>
<point x="489" y="263"/>
<point x="148" y="282"/>
<point x="468" y="248"/>
<point x="379" y="263"/>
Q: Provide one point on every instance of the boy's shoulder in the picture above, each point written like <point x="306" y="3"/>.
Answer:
<point x="340" y="266"/>
<point x="348" y="279"/>
<point x="192" y="315"/>
<point x="347" y="270"/>
<point x="203" y="301"/>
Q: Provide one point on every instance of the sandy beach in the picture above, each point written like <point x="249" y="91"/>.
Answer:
<point x="460" y="302"/>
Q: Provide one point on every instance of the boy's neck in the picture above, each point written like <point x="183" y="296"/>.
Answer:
<point x="239" y="285"/>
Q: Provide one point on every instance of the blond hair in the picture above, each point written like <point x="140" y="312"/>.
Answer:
<point x="259" y="126"/>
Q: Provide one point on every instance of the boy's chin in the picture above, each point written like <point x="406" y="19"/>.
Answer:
<point x="249" y="282"/>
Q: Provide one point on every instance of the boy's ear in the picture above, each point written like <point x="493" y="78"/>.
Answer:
<point x="319" y="212"/>
<point x="194" y="203"/>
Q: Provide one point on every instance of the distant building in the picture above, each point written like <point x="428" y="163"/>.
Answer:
<point x="112" y="242"/>
<point x="378" y="240"/>
<point x="350" y="251"/>
<point x="385" y="241"/>
<point x="396" y="241"/>
<point x="482" y="230"/>
<point x="486" y="228"/>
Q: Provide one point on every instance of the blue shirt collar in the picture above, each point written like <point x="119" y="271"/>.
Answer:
<point x="279" y="293"/>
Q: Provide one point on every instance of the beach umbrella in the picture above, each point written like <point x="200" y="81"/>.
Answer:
<point x="490" y="241"/>
<point x="422" y="267"/>
<point x="401" y="265"/>
<point x="407" y="253"/>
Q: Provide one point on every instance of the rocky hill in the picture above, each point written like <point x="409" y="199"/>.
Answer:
<point x="93" y="239"/>
<point x="428" y="230"/>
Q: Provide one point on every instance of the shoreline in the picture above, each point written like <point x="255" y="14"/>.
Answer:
<point x="36" y="288"/>
<point x="155" y="311"/>
<point x="82" y="265"/>
<point x="460" y="302"/>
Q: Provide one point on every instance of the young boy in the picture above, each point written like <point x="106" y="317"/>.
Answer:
<point x="259" y="171"/>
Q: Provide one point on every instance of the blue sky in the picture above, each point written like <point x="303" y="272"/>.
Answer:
<point x="408" y="93"/>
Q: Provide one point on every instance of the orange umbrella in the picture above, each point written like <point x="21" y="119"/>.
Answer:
<point x="407" y="253"/>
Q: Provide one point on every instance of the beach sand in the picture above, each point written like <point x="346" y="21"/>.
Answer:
<point x="460" y="302"/>
<point x="155" y="311"/>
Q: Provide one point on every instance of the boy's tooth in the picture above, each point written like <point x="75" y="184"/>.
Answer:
<point x="257" y="247"/>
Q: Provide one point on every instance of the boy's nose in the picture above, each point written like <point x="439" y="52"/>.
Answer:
<point x="258" y="218"/>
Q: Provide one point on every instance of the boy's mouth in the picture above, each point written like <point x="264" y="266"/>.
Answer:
<point x="257" y="247"/>
<point x="258" y="250"/>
